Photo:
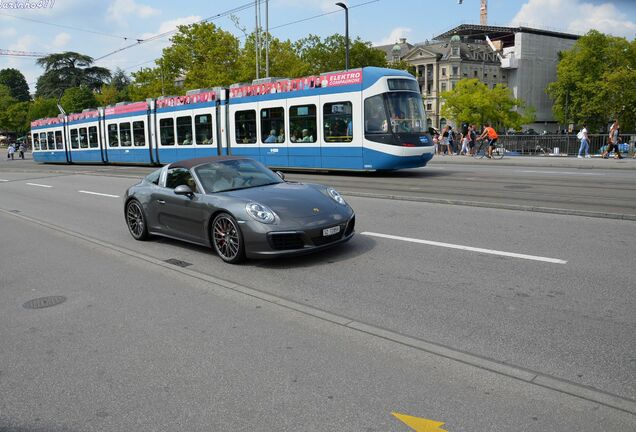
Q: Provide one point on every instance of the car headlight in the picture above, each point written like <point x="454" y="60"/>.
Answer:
<point x="260" y="212"/>
<point x="336" y="196"/>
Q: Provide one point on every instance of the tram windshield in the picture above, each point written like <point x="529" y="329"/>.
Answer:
<point x="394" y="117"/>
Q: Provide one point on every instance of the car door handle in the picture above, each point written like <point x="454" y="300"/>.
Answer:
<point x="161" y="201"/>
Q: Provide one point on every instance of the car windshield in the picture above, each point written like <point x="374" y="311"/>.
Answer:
<point x="406" y="112"/>
<point x="234" y="174"/>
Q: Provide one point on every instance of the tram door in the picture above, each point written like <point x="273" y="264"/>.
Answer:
<point x="303" y="132"/>
<point x="273" y="134"/>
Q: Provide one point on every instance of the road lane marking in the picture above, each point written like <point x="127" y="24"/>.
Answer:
<point x="468" y="248"/>
<point x="419" y="424"/>
<point x="3" y="180"/>
<point x="100" y="194"/>
<point x="39" y="185"/>
<point x="562" y="172"/>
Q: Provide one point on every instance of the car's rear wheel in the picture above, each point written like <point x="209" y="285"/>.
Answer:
<point x="227" y="239"/>
<point x="136" y="220"/>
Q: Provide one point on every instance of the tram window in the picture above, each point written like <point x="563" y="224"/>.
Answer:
<point x="302" y="123"/>
<point x="184" y="130"/>
<point x="139" y="136"/>
<point x="83" y="138"/>
<point x="74" y="139"/>
<point x="245" y="126"/>
<point x="36" y="142"/>
<point x="92" y="137"/>
<point x="43" y="140"/>
<point x="51" y="140"/>
<point x="375" y="120"/>
<point x="180" y="176"/>
<point x="338" y="121"/>
<point x="59" y="144"/>
<point x="166" y="131"/>
<point x="113" y="136"/>
<point x="272" y="125"/>
<point x="124" y="133"/>
<point x="203" y="129"/>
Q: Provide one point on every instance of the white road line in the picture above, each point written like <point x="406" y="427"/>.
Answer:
<point x="562" y="172"/>
<point x="39" y="185"/>
<point x="468" y="248"/>
<point x="3" y="180"/>
<point x="100" y="194"/>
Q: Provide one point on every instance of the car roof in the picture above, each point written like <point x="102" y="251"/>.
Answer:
<point x="190" y="163"/>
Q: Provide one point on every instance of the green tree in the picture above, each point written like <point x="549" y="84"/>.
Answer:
<point x="151" y="83"/>
<point x="471" y="101"/>
<point x="42" y="107"/>
<point x="15" y="81"/>
<point x="283" y="60"/>
<point x="204" y="54"/>
<point x="76" y="99"/>
<point x="66" y="70"/>
<point x="16" y="117"/>
<point x="329" y="55"/>
<point x="596" y="81"/>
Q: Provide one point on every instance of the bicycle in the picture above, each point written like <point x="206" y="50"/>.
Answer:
<point x="481" y="151"/>
<point x="539" y="150"/>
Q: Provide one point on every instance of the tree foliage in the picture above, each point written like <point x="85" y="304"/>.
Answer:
<point x="15" y="81"/>
<point x="43" y="107"/>
<point x="471" y="101"/>
<point x="66" y="70"/>
<point x="596" y="82"/>
<point x="329" y="55"/>
<point x="76" y="99"/>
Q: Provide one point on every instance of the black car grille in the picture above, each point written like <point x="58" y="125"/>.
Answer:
<point x="285" y="241"/>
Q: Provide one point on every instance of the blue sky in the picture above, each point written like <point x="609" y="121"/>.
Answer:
<point x="378" y="21"/>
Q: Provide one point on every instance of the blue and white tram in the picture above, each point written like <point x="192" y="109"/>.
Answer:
<point x="369" y="119"/>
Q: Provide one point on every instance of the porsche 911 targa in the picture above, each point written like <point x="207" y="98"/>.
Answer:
<point x="238" y="207"/>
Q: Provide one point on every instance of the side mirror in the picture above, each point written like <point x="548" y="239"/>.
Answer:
<point x="183" y="190"/>
<point x="280" y="174"/>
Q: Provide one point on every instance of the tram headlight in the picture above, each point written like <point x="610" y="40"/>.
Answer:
<point x="260" y="212"/>
<point x="336" y="196"/>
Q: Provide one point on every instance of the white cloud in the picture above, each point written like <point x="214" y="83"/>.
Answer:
<point x="120" y="10"/>
<point x="172" y="25"/>
<point x="575" y="16"/>
<point x="61" y="39"/>
<point x="8" y="32"/>
<point x="394" y="36"/>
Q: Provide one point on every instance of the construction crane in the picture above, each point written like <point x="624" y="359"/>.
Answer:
<point x="14" y="53"/>
<point x="483" y="11"/>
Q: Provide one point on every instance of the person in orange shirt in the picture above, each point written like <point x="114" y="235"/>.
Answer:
<point x="492" y="138"/>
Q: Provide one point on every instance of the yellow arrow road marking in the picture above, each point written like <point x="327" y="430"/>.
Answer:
<point x="419" y="424"/>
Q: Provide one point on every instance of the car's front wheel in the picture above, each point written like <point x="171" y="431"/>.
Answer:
<point x="136" y="220"/>
<point x="227" y="239"/>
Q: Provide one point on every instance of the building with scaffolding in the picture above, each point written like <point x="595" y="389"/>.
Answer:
<point x="525" y="59"/>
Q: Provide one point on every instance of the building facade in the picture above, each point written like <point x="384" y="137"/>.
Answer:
<point x="522" y="58"/>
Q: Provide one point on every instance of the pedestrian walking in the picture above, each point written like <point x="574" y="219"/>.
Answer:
<point x="436" y="143"/>
<point x="585" y="143"/>
<point x="21" y="150"/>
<point x="11" y="151"/>
<point x="612" y="141"/>
<point x="472" y="132"/>
<point x="465" y="142"/>
<point x="451" y="141"/>
<point x="443" y="144"/>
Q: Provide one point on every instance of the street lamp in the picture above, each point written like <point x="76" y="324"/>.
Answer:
<point x="346" y="9"/>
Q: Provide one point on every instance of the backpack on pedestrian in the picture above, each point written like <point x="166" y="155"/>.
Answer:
<point x="580" y="134"/>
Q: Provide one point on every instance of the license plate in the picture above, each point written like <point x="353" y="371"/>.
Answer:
<point x="331" y="231"/>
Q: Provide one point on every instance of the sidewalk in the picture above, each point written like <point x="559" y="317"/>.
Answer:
<point x="627" y="163"/>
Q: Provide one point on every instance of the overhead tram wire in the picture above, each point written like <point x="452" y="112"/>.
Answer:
<point x="169" y="32"/>
<point x="71" y="27"/>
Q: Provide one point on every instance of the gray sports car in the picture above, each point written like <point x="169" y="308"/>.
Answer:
<point x="237" y="206"/>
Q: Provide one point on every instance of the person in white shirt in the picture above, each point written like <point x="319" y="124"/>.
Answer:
<point x="11" y="150"/>
<point x="585" y="143"/>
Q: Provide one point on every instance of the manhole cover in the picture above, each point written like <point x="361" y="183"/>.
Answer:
<point x="44" y="302"/>
<point x="517" y="187"/>
<point x="177" y="262"/>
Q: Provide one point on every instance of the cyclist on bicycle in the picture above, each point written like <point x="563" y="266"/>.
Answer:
<point x="492" y="138"/>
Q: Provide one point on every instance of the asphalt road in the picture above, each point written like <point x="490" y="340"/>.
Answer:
<point x="484" y="318"/>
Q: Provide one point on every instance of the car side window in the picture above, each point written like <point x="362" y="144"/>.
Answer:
<point x="180" y="176"/>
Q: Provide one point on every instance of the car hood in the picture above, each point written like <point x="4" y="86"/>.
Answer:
<point x="295" y="200"/>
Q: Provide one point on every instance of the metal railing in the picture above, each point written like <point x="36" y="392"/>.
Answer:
<point x="561" y="145"/>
